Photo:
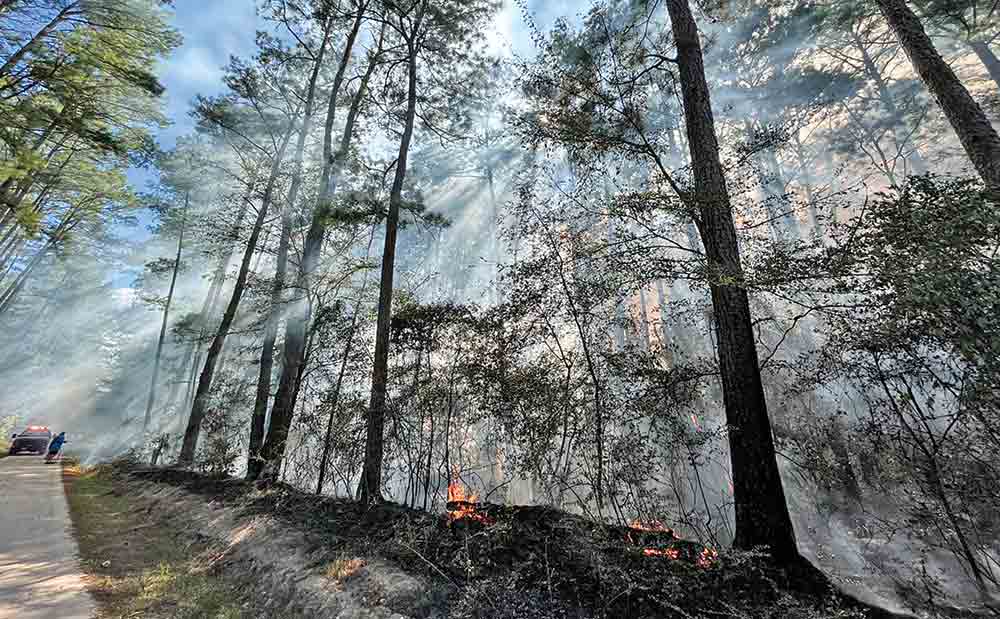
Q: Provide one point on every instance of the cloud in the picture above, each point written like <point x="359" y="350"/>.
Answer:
<point x="213" y="31"/>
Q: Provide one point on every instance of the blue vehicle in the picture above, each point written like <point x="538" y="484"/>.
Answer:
<point x="33" y="440"/>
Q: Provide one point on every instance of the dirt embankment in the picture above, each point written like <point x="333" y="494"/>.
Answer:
<point x="284" y="553"/>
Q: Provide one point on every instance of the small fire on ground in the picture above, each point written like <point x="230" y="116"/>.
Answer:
<point x="705" y="559"/>
<point x="462" y="504"/>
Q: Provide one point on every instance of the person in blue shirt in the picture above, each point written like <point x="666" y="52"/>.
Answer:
<point x="56" y="444"/>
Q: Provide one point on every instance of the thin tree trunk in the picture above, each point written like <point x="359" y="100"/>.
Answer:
<point x="211" y="303"/>
<point x="46" y="30"/>
<point x="7" y="300"/>
<point x="762" y="517"/>
<point x="199" y="408"/>
<point x="974" y="130"/>
<point x="888" y="104"/>
<point x="300" y="312"/>
<point x="430" y="455"/>
<point x="10" y="258"/>
<point x="989" y="60"/>
<point x="13" y="200"/>
<point x="11" y="245"/>
<point x="334" y="401"/>
<point x="644" y="320"/>
<point x="661" y="302"/>
<point x="68" y="222"/>
<point x="494" y="249"/>
<point x="842" y="456"/>
<point x="166" y="315"/>
<point x="254" y="462"/>
<point x="371" y="476"/>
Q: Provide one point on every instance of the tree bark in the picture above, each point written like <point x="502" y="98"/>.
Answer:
<point x="974" y="130"/>
<point x="257" y="422"/>
<point x="199" y="408"/>
<point x="166" y="315"/>
<point x="371" y="475"/>
<point x="762" y="517"/>
<point x="300" y="312"/>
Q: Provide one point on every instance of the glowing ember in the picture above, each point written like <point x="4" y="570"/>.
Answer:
<point x="464" y="503"/>
<point x="707" y="557"/>
<point x="656" y="527"/>
<point x="669" y="553"/>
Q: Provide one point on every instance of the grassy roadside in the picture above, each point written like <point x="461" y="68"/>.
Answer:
<point x="135" y="568"/>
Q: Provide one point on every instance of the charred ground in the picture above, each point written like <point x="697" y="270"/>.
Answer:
<point x="531" y="561"/>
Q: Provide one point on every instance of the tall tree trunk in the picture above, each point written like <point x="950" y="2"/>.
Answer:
<point x="974" y="130"/>
<point x="300" y="312"/>
<point x="917" y="165"/>
<point x="254" y="462"/>
<point x="371" y="476"/>
<point x="9" y="258"/>
<point x="166" y="315"/>
<point x="7" y="299"/>
<point x="69" y="221"/>
<point x="762" y="517"/>
<point x="989" y="59"/>
<point x="842" y="457"/>
<point x="199" y="408"/>
<point x="211" y="303"/>
<point x="661" y="303"/>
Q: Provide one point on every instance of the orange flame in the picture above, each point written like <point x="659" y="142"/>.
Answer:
<point x="705" y="559"/>
<point x="654" y="525"/>
<point x="457" y="493"/>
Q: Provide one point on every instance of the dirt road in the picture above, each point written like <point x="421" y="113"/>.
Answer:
<point x="39" y="574"/>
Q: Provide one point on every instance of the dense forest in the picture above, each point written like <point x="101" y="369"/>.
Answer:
<point x="730" y="265"/>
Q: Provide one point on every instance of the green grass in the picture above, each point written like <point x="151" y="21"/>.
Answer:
<point x="133" y="566"/>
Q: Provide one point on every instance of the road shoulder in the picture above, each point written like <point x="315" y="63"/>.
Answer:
<point x="134" y="567"/>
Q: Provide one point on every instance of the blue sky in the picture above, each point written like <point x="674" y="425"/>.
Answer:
<point x="213" y="31"/>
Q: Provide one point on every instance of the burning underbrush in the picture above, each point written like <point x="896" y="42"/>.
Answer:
<point x="488" y="561"/>
<point x="651" y="539"/>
